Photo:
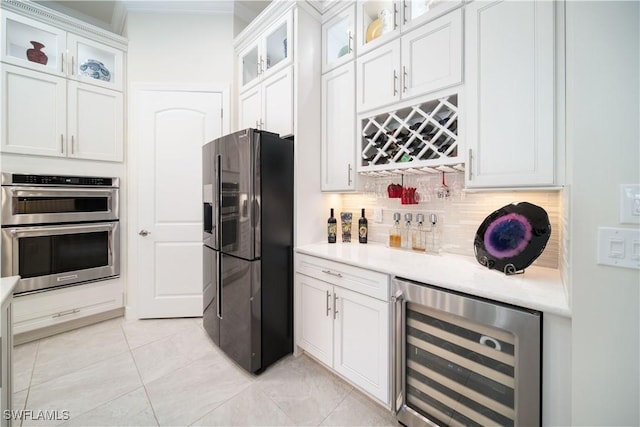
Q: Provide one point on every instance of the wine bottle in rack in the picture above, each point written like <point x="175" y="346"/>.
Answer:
<point x="363" y="229"/>
<point x="332" y="228"/>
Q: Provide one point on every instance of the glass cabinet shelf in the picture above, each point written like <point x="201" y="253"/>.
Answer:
<point x="419" y="136"/>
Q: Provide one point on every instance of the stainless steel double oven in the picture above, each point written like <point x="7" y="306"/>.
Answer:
<point x="59" y="230"/>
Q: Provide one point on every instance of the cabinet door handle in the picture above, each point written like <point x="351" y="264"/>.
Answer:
<point x="404" y="11"/>
<point x="62" y="62"/>
<point x="73" y="143"/>
<point x="335" y="306"/>
<point x="470" y="163"/>
<point x="349" y="174"/>
<point x="62" y="143"/>
<point x="395" y="16"/>
<point x="328" y="302"/>
<point x="73" y="66"/>
<point x="404" y="78"/>
<point x="332" y="273"/>
<point x="395" y="82"/>
<point x="350" y="40"/>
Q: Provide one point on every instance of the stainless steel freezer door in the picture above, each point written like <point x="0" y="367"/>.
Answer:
<point x="240" y="192"/>
<point x="240" y="325"/>
<point x="210" y="319"/>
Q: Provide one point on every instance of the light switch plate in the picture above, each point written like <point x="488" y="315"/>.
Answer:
<point x="619" y="247"/>
<point x="630" y="203"/>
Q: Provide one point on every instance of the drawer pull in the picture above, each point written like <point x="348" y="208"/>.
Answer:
<point x="66" y="313"/>
<point x="332" y="273"/>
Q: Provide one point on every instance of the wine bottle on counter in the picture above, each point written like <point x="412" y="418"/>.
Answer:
<point x="363" y="229"/>
<point x="332" y="228"/>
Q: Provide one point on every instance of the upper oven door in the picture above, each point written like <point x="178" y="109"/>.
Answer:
<point x="42" y="205"/>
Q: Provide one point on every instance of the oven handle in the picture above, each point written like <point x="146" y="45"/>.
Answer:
<point x="397" y="354"/>
<point x="58" y="192"/>
<point x="47" y="230"/>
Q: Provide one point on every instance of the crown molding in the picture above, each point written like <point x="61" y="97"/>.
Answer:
<point x="65" y="22"/>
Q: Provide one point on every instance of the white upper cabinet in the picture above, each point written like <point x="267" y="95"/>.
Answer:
<point x="34" y="112"/>
<point x="423" y="60"/>
<point x="379" y="21"/>
<point x="95" y="124"/>
<point x="338" y="129"/>
<point x="42" y="47"/>
<point x="269" y="105"/>
<point x="510" y="93"/>
<point x="338" y="39"/>
<point x="49" y="115"/>
<point x="268" y="54"/>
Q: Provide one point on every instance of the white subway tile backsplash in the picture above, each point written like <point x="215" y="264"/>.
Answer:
<point x="458" y="217"/>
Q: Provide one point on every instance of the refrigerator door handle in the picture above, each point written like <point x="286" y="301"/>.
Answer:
<point x="219" y="285"/>
<point x="219" y="237"/>
<point x="218" y="224"/>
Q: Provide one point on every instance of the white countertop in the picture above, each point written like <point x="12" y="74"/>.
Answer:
<point x="7" y="285"/>
<point x="538" y="288"/>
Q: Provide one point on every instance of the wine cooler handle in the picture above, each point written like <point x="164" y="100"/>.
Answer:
<point x="397" y="353"/>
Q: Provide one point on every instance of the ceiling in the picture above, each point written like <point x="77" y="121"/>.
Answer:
<point x="110" y="14"/>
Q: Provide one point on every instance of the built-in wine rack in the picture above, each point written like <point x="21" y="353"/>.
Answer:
<point x="423" y="135"/>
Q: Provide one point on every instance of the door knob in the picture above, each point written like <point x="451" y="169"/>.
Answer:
<point x="144" y="232"/>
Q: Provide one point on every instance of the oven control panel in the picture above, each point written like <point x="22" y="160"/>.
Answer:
<point x="30" y="179"/>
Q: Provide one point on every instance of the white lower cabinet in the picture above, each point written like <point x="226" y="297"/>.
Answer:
<point x="51" y="308"/>
<point x="346" y="330"/>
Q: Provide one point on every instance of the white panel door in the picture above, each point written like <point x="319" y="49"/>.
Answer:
<point x="338" y="129"/>
<point x="34" y="112"/>
<point x="277" y="101"/>
<point x="361" y="351"/>
<point x="316" y="318"/>
<point x="378" y="77"/>
<point x="249" y="108"/>
<point x="432" y="56"/>
<point x="96" y="129"/>
<point x="172" y="126"/>
<point x="509" y="68"/>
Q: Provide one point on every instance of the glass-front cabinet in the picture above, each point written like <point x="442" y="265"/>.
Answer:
<point x="338" y="39"/>
<point x="379" y="21"/>
<point x="31" y="44"/>
<point x="95" y="63"/>
<point x="41" y="47"/>
<point x="269" y="53"/>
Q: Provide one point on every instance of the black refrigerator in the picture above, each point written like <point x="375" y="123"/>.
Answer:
<point x="248" y="246"/>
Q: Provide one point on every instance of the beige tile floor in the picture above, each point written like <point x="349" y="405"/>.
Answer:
<point x="168" y="373"/>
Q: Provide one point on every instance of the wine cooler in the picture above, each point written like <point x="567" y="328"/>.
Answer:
<point x="463" y="361"/>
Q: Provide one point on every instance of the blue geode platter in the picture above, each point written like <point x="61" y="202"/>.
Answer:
<point x="95" y="70"/>
<point x="512" y="237"/>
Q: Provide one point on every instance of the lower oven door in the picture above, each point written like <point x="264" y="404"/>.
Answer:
<point x="59" y="255"/>
<point x="460" y="360"/>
